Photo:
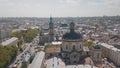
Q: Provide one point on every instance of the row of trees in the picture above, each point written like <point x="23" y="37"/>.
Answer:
<point x="19" y="35"/>
<point x="7" y="54"/>
<point x="26" y="36"/>
<point x="30" y="35"/>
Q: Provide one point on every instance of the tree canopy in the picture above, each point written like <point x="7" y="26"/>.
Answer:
<point x="16" y="34"/>
<point x="30" y="35"/>
<point x="7" y="54"/>
<point x="89" y="43"/>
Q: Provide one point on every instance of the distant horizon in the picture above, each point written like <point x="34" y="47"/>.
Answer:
<point x="57" y="17"/>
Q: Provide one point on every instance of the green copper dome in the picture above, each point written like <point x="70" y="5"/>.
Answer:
<point x="51" y="20"/>
<point x="97" y="46"/>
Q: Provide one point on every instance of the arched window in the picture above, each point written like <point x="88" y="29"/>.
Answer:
<point x="66" y="55"/>
<point x="74" y="56"/>
<point x="75" y="62"/>
<point x="80" y="46"/>
<point x="97" y="55"/>
<point x="66" y="46"/>
<point x="73" y="47"/>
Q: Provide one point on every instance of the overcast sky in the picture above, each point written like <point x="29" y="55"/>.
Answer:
<point x="59" y="8"/>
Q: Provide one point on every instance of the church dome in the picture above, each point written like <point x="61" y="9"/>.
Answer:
<point x="72" y="34"/>
<point x="97" y="47"/>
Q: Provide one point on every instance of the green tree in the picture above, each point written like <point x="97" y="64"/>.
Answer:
<point x="19" y="35"/>
<point x="7" y="53"/>
<point x="89" y="43"/>
<point x="30" y="35"/>
<point x="19" y="42"/>
<point x="16" y="34"/>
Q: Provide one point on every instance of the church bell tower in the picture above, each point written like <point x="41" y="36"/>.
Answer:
<point x="51" y="30"/>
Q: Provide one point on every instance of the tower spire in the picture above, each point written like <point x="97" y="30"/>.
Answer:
<point x="72" y="25"/>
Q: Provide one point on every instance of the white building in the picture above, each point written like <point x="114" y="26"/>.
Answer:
<point x="38" y="61"/>
<point x="11" y="41"/>
<point x="58" y="63"/>
<point x="111" y="52"/>
<point x="56" y="43"/>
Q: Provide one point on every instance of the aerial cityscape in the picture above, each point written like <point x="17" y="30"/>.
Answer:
<point x="59" y="34"/>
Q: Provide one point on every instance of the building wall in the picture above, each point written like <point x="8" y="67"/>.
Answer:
<point x="4" y="34"/>
<point x="44" y="39"/>
<point x="72" y="50"/>
<point x="112" y="54"/>
<point x="72" y="45"/>
<point x="74" y="58"/>
<point x="38" y="61"/>
<point x="96" y="55"/>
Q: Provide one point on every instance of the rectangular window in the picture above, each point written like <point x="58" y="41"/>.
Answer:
<point x="98" y="55"/>
<point x="80" y="46"/>
<point x="52" y="65"/>
<point x="66" y="46"/>
<point x="74" y="56"/>
<point x="73" y="47"/>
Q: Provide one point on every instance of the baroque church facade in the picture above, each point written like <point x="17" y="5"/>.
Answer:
<point x="73" y="51"/>
<point x="72" y="46"/>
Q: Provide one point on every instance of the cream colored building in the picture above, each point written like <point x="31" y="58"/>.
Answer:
<point x="96" y="53"/>
<point x="72" y="50"/>
<point x="111" y="52"/>
<point x="11" y="41"/>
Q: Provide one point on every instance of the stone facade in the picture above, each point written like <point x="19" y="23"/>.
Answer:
<point x="70" y="45"/>
<point x="96" y="55"/>
<point x="72" y="51"/>
<point x="111" y="52"/>
<point x="43" y="39"/>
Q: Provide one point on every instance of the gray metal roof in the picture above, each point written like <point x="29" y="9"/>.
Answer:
<point x="37" y="61"/>
<point x="9" y="41"/>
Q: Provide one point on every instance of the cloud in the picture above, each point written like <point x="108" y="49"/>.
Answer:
<point x="69" y="1"/>
<point x="68" y="7"/>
